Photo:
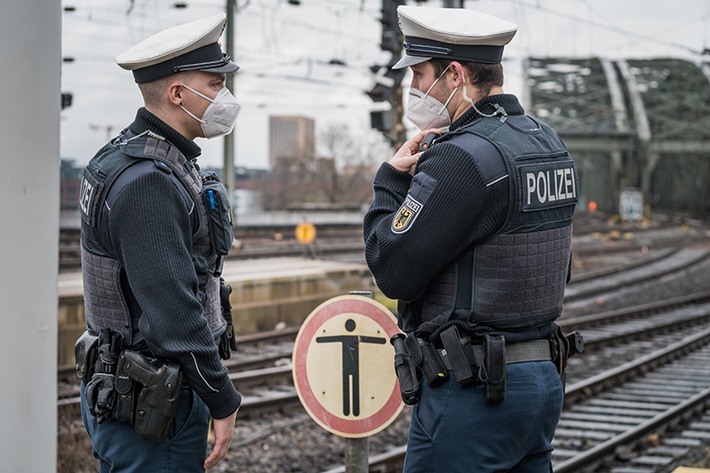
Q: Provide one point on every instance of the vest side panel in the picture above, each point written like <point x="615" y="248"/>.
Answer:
<point x="104" y="304"/>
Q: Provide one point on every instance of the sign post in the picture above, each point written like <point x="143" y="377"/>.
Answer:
<point x="342" y="374"/>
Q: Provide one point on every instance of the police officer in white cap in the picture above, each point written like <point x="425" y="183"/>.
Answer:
<point x="154" y="232"/>
<point x="472" y="233"/>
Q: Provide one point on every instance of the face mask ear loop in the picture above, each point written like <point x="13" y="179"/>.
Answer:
<point x="193" y="115"/>
<point x="450" y="96"/>
<point x="437" y="80"/>
<point x="448" y="100"/>
<point x="198" y="94"/>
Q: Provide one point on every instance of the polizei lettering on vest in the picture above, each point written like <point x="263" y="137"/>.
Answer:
<point x="557" y="184"/>
<point x="549" y="186"/>
<point x="85" y="194"/>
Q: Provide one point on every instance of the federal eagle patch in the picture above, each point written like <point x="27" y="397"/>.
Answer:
<point x="406" y="215"/>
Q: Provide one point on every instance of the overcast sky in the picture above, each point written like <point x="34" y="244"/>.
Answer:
<point x="284" y="52"/>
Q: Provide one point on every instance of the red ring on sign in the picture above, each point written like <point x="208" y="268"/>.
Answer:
<point x="349" y="427"/>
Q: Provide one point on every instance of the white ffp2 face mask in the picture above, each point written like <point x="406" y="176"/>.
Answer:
<point x="427" y="112"/>
<point x="221" y="114"/>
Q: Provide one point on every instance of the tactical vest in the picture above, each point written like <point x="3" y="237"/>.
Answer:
<point x="514" y="282"/>
<point x="124" y="159"/>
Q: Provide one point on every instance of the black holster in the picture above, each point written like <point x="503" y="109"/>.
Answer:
<point x="406" y="371"/>
<point x="101" y="395"/>
<point x="127" y="392"/>
<point x="566" y="347"/>
<point x="426" y="359"/>
<point x="157" y="402"/>
<point x="460" y="353"/>
<point x="494" y="346"/>
<point x="85" y="354"/>
<point x="490" y="370"/>
<point x="228" y="340"/>
<point x="125" y="386"/>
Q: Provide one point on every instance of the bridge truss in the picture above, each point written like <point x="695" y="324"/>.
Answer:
<point x="635" y="123"/>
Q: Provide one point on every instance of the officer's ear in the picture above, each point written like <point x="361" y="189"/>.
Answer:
<point x="457" y="74"/>
<point x="174" y="92"/>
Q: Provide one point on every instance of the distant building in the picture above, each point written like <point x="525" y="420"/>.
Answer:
<point x="291" y="137"/>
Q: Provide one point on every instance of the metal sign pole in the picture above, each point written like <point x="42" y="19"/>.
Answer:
<point x="357" y="452"/>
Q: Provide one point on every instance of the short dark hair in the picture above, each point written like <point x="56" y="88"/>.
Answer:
<point x="153" y="91"/>
<point x="482" y="76"/>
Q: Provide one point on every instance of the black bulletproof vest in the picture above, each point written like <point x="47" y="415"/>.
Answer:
<point x="107" y="296"/>
<point x="514" y="281"/>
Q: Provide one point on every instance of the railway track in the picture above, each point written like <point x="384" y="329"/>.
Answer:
<point x="614" y="339"/>
<point x="617" y="410"/>
<point x="69" y="260"/>
<point x="622" y="406"/>
<point x="673" y="261"/>
<point x="642" y="322"/>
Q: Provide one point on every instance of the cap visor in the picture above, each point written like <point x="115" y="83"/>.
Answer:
<point x="228" y="68"/>
<point x="407" y="61"/>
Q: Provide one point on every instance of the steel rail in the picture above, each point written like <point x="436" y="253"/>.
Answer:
<point x="604" y="449"/>
<point x="592" y="288"/>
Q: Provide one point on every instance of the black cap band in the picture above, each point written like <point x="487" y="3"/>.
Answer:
<point x="423" y="47"/>
<point x="207" y="58"/>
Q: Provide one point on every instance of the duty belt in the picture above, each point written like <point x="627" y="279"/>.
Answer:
<point x="481" y="363"/>
<point x="535" y="350"/>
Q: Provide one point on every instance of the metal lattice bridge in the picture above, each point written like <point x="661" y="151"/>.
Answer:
<point x="638" y="124"/>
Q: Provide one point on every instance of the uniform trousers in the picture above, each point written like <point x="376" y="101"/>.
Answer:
<point x="454" y="429"/>
<point x="120" y="449"/>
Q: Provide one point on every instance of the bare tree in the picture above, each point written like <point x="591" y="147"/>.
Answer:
<point x="348" y="179"/>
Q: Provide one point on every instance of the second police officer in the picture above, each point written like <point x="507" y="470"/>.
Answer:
<point x="153" y="235"/>
<point x="473" y="236"/>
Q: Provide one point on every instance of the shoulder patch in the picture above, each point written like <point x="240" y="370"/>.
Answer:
<point x="406" y="215"/>
<point x="421" y="189"/>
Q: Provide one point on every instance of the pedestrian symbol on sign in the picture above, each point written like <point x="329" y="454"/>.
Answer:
<point x="351" y="363"/>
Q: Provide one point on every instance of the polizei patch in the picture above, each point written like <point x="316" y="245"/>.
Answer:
<point x="91" y="187"/>
<point x="406" y="215"/>
<point x="548" y="185"/>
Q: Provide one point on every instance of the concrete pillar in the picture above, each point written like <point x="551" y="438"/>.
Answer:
<point x="30" y="32"/>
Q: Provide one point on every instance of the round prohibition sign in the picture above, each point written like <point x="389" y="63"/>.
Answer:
<point x="343" y="366"/>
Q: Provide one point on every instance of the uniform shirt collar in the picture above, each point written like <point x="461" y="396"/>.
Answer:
<point x="147" y="121"/>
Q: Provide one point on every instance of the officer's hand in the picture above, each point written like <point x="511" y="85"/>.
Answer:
<point x="407" y="156"/>
<point x="223" y="430"/>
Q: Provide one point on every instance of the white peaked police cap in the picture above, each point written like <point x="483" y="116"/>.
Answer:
<point x="457" y="34"/>
<point x="189" y="47"/>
